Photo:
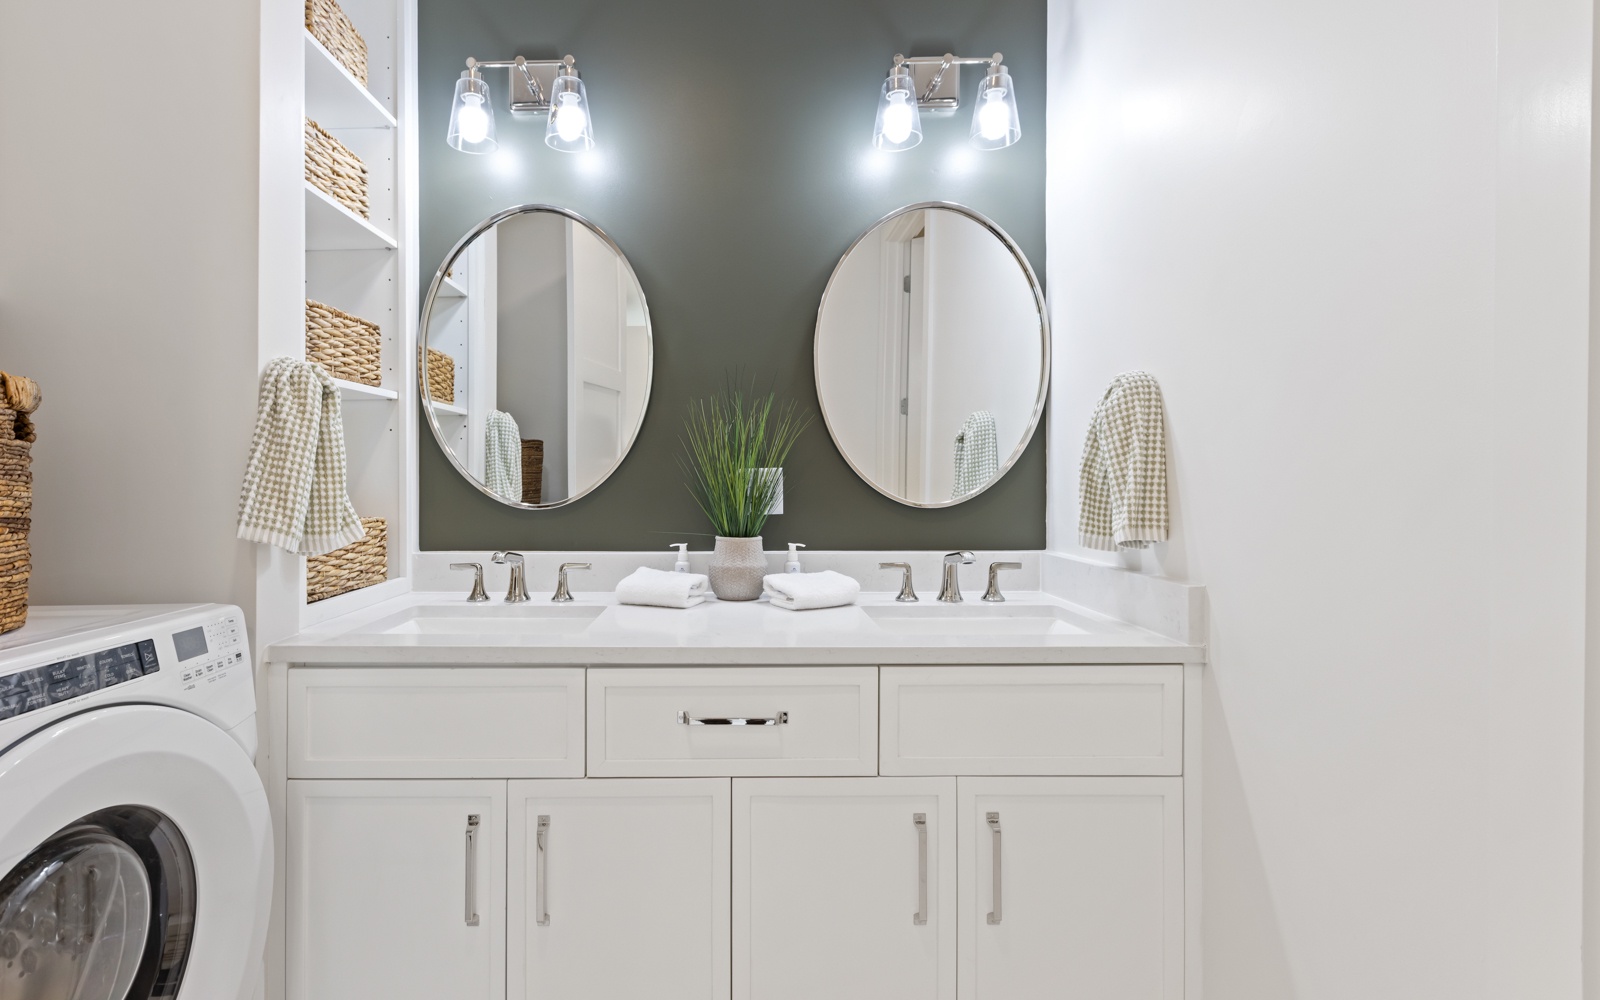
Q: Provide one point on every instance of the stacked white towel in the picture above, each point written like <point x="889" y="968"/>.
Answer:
<point x="809" y="591"/>
<point x="658" y="588"/>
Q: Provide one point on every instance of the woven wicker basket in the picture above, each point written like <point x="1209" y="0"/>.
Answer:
<point x="335" y="170"/>
<point x="441" y="377"/>
<point x="532" y="471"/>
<point x="348" y="346"/>
<point x="20" y="397"/>
<point x="359" y="564"/>
<point x="330" y="26"/>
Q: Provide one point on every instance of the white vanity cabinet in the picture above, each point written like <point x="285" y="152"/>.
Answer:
<point x="962" y="832"/>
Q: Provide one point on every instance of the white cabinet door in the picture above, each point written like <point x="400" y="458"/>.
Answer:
<point x="844" y="888"/>
<point x="618" y="888"/>
<point x="1071" y="887"/>
<point x="396" y="889"/>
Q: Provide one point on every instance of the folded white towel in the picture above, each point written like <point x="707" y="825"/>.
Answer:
<point x="294" y="485"/>
<point x="658" y="588"/>
<point x="808" y="591"/>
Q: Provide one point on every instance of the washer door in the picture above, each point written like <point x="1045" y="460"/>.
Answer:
<point x="135" y="860"/>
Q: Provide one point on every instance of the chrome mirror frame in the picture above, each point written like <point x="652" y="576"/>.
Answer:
<point x="1044" y="346"/>
<point x="426" y="398"/>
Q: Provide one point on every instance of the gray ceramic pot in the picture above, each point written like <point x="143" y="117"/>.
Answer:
<point x="737" y="566"/>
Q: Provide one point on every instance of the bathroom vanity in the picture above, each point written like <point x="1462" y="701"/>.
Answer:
<point x="598" y="801"/>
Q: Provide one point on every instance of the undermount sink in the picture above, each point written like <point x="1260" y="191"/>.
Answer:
<point x="502" y="619"/>
<point x="975" y="619"/>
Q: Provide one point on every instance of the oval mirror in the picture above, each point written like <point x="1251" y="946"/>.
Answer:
<point x="932" y="355"/>
<point x="536" y="356"/>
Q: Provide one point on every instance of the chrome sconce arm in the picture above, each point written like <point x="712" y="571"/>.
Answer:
<point x="537" y="87"/>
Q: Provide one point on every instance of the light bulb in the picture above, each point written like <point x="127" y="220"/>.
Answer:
<point x="897" y="118"/>
<point x="471" y="121"/>
<point x="994" y="119"/>
<point x="570" y="119"/>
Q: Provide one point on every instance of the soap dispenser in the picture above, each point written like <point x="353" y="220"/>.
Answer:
<point x="793" y="565"/>
<point x="682" y="565"/>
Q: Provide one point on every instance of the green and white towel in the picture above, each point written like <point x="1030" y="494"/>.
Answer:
<point x="502" y="456"/>
<point x="294" y="485"/>
<point x="977" y="455"/>
<point x="1122" y="480"/>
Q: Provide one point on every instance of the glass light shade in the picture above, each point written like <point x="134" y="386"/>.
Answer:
<point x="899" y="123"/>
<point x="472" y="117"/>
<point x="994" y="120"/>
<point x="570" y="130"/>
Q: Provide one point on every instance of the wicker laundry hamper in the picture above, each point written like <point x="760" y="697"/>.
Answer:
<point x="21" y="397"/>
<point x="532" y="471"/>
<point x="329" y="25"/>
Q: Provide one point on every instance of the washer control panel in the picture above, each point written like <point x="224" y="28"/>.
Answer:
<point x="192" y="656"/>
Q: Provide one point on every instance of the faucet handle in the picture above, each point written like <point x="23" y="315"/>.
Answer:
<point x="907" y="593"/>
<point x="478" y="595"/>
<point x="562" y="594"/>
<point x="993" y="595"/>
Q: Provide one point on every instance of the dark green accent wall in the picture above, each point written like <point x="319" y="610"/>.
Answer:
<point x="733" y="166"/>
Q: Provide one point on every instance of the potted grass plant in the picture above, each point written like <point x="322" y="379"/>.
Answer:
<point x="734" y="444"/>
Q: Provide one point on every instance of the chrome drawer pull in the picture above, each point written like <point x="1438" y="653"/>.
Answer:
<point x="472" y="869"/>
<point x="920" y="821"/>
<point x="781" y="719"/>
<point x="994" y="825"/>
<point x="541" y="886"/>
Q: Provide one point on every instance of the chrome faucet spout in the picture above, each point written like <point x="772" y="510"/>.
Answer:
<point x="517" y="590"/>
<point x="950" y="587"/>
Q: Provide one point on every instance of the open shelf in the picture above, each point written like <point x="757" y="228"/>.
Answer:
<point x="450" y="408"/>
<point x="448" y="289"/>
<point x="334" y="98"/>
<point x="353" y="391"/>
<point x="331" y="226"/>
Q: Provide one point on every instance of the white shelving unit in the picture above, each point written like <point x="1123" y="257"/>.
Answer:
<point x="313" y="247"/>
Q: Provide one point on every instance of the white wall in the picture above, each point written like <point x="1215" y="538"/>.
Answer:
<point x="1351" y="242"/>
<point x="128" y="288"/>
<point x="532" y="340"/>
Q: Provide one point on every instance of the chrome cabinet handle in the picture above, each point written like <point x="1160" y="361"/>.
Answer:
<point x="994" y="826"/>
<point x="781" y="719"/>
<point x="472" y="869"/>
<point x="920" y="821"/>
<point x="541" y="882"/>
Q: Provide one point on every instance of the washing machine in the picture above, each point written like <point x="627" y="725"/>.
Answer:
<point x="135" y="839"/>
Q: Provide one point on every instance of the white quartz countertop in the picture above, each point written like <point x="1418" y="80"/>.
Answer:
<point x="444" y="629"/>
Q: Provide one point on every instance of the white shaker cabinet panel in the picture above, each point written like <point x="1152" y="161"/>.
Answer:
<point x="844" y="888"/>
<point x="396" y="889"/>
<point x="618" y="889"/>
<point x="1071" y="887"/>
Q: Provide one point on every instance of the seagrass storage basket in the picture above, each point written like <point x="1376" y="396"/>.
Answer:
<point x="532" y="471"/>
<point x="335" y="170"/>
<point x="21" y="397"/>
<point x="364" y="563"/>
<point x="441" y="377"/>
<point x="349" y="347"/>
<point x="330" y="25"/>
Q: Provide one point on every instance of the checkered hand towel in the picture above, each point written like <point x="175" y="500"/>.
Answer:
<point x="1123" y="476"/>
<point x="502" y="456"/>
<point x="977" y="455"/>
<point x="294" y="486"/>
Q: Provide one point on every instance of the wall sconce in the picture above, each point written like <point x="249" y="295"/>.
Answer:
<point x="548" y="87"/>
<point x="933" y="84"/>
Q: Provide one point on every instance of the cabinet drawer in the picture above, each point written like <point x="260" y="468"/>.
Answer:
<point x="1032" y="720"/>
<point x="436" y="722"/>
<point x="655" y="722"/>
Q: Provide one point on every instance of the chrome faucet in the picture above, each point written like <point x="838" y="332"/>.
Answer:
<point x="950" y="589"/>
<point x="562" y="594"/>
<point x="517" y="592"/>
<point x="478" y="595"/>
<point x="993" y="595"/>
<point x="907" y="592"/>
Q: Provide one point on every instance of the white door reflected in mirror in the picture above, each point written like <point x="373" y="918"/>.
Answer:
<point x="932" y="355"/>
<point x="537" y="356"/>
